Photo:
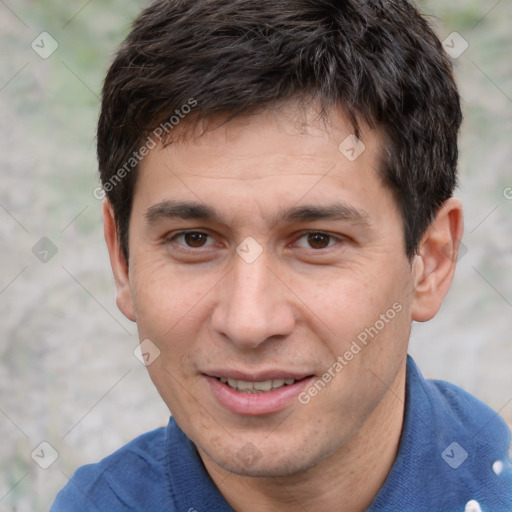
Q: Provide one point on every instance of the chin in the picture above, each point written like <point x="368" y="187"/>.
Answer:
<point x="274" y="460"/>
<point x="268" y="467"/>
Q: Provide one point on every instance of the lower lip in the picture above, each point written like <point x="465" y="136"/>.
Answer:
<point x="256" y="404"/>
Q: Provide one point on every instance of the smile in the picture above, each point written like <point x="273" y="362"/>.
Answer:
<point x="256" y="387"/>
<point x="266" y="394"/>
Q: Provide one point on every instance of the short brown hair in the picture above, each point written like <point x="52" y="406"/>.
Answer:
<point x="379" y="61"/>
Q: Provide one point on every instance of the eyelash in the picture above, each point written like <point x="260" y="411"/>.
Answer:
<point x="173" y="238"/>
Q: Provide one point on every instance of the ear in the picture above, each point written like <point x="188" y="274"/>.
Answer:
<point x="434" y="265"/>
<point x="119" y="264"/>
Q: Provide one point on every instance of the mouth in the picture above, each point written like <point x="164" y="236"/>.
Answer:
<point x="257" y="395"/>
<point x="263" y="386"/>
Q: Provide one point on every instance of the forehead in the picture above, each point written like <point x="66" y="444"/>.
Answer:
<point x="265" y="161"/>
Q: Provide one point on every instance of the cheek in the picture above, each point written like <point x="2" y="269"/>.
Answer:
<point x="349" y="299"/>
<point x="165" y="298"/>
<point x="369" y="306"/>
<point x="168" y="313"/>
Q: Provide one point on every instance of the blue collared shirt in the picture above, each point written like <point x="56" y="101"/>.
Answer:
<point x="453" y="454"/>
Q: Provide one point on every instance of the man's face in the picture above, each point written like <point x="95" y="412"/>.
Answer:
<point x="301" y="256"/>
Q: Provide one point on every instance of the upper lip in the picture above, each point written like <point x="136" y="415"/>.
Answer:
<point x="258" y="376"/>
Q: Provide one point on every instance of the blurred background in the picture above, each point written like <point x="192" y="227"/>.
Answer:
<point x="68" y="376"/>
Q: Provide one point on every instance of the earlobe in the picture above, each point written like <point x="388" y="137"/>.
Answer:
<point x="118" y="262"/>
<point x="434" y="265"/>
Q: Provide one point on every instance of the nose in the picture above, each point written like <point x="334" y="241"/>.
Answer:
<point x="253" y="305"/>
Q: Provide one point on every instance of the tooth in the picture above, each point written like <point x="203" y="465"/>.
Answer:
<point x="265" y="385"/>
<point x="254" y="387"/>
<point x="277" y="383"/>
<point x="244" y="385"/>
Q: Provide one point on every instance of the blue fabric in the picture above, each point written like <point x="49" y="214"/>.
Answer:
<point x="162" y="471"/>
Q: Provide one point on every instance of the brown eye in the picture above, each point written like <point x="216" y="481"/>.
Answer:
<point x="191" y="239"/>
<point x="318" y="240"/>
<point x="195" y="239"/>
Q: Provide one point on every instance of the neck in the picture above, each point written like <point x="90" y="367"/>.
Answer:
<point x="350" y="478"/>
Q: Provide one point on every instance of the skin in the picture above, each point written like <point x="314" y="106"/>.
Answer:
<point x="297" y="307"/>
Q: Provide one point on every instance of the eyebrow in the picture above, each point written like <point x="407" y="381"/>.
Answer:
<point x="307" y="213"/>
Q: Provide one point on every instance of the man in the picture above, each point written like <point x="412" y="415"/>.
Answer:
<point x="279" y="180"/>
